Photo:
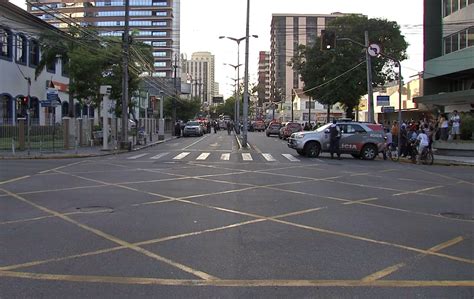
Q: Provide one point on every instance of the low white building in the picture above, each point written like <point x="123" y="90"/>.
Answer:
<point x="19" y="56"/>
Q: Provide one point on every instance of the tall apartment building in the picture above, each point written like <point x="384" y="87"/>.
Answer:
<point x="155" y="22"/>
<point x="263" y="91"/>
<point x="448" y="54"/>
<point x="200" y="70"/>
<point x="288" y="31"/>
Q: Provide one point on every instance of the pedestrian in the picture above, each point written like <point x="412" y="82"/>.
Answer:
<point x="455" y="121"/>
<point x="216" y="126"/>
<point x="395" y="130"/>
<point x="306" y="126"/>
<point x="423" y="142"/>
<point x="388" y="142"/>
<point x="335" y="136"/>
<point x="229" y="127"/>
<point x="403" y="140"/>
<point x="177" y="129"/>
<point x="444" y="127"/>
<point x="208" y="126"/>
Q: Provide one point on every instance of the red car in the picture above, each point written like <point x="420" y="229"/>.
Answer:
<point x="289" y="129"/>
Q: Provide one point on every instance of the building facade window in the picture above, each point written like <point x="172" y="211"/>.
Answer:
<point x="160" y="23"/>
<point x="158" y="33"/>
<point x="6" y="42"/>
<point x="160" y="3"/>
<point x="158" y="44"/>
<point x="159" y="74"/>
<point x="34" y="53"/>
<point x="459" y="40"/>
<point x="21" y="49"/>
<point x="159" y="54"/>
<point x="451" y="6"/>
<point x="51" y="67"/>
<point x="159" y="64"/>
<point x="161" y="13"/>
<point x="312" y="105"/>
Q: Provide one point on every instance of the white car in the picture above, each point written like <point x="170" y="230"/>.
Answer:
<point x="193" y="128"/>
<point x="361" y="140"/>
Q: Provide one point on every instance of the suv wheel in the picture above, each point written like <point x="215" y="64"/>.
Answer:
<point x="312" y="149"/>
<point x="300" y="152"/>
<point x="369" y="152"/>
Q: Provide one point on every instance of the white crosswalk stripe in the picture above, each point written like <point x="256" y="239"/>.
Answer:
<point x="181" y="156"/>
<point x="291" y="157"/>
<point x="269" y="157"/>
<point x="247" y="157"/>
<point x="160" y="155"/>
<point x="136" y="157"/>
<point x="203" y="156"/>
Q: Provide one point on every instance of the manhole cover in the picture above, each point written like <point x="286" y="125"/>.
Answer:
<point x="95" y="209"/>
<point x="457" y="216"/>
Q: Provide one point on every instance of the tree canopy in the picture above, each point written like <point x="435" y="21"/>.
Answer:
<point x="340" y="74"/>
<point x="91" y="60"/>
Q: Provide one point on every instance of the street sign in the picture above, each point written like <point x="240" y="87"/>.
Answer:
<point x="383" y="100"/>
<point x="388" y="109"/>
<point x="373" y="50"/>
<point x="52" y="98"/>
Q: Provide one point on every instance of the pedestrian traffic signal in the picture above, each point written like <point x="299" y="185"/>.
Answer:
<point x="328" y="40"/>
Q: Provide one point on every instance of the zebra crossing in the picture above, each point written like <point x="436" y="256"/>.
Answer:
<point x="206" y="156"/>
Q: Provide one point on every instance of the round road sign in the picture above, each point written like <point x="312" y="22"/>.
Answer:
<point x="374" y="50"/>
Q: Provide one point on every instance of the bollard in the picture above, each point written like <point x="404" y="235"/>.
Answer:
<point x="13" y="146"/>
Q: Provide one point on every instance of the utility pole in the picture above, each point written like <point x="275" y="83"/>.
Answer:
<point x="173" y="113"/>
<point x="309" y="112"/>
<point x="246" y="79"/>
<point x="125" y="144"/>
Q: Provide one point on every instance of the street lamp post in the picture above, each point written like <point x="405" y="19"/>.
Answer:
<point x="236" y="107"/>
<point x="237" y="40"/>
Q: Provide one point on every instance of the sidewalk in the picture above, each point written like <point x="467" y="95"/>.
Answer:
<point x="80" y="152"/>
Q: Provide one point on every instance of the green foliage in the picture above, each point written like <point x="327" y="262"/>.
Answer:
<point x="317" y="68"/>
<point x="92" y="61"/>
<point x="227" y="108"/>
<point x="185" y="110"/>
<point x="467" y="125"/>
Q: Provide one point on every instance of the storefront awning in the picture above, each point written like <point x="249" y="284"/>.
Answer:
<point x="449" y="98"/>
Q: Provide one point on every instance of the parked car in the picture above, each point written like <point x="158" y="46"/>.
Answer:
<point x="280" y="132"/>
<point x="361" y="140"/>
<point x="273" y="129"/>
<point x="258" y="125"/>
<point x="193" y="128"/>
<point x="290" y="128"/>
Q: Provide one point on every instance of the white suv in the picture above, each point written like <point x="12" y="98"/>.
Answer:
<point x="361" y="140"/>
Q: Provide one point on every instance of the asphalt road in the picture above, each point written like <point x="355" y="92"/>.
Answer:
<point x="198" y="218"/>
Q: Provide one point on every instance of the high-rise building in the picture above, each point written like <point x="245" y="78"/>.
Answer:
<point x="288" y="31"/>
<point x="448" y="55"/>
<point x="201" y="71"/>
<point x="263" y="90"/>
<point x="154" y="22"/>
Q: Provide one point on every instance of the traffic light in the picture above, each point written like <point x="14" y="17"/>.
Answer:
<point x="328" y="40"/>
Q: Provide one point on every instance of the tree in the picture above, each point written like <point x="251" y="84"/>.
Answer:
<point x="339" y="75"/>
<point x="91" y="61"/>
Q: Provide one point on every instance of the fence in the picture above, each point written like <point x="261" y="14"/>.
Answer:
<point x="71" y="133"/>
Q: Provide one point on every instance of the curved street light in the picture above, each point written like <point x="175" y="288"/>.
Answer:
<point x="237" y="40"/>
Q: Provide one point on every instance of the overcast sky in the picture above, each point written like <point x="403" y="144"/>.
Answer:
<point x="203" y="21"/>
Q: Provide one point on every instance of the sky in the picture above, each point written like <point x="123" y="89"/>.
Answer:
<point x="203" y="21"/>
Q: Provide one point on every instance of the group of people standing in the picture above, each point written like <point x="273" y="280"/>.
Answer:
<point x="422" y="133"/>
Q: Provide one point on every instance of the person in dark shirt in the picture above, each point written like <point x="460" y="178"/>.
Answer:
<point x="335" y="136"/>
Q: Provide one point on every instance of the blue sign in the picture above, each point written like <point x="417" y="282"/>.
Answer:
<point x="383" y="100"/>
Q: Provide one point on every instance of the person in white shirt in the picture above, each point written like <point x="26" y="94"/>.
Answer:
<point x="455" y="121"/>
<point x="423" y="142"/>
